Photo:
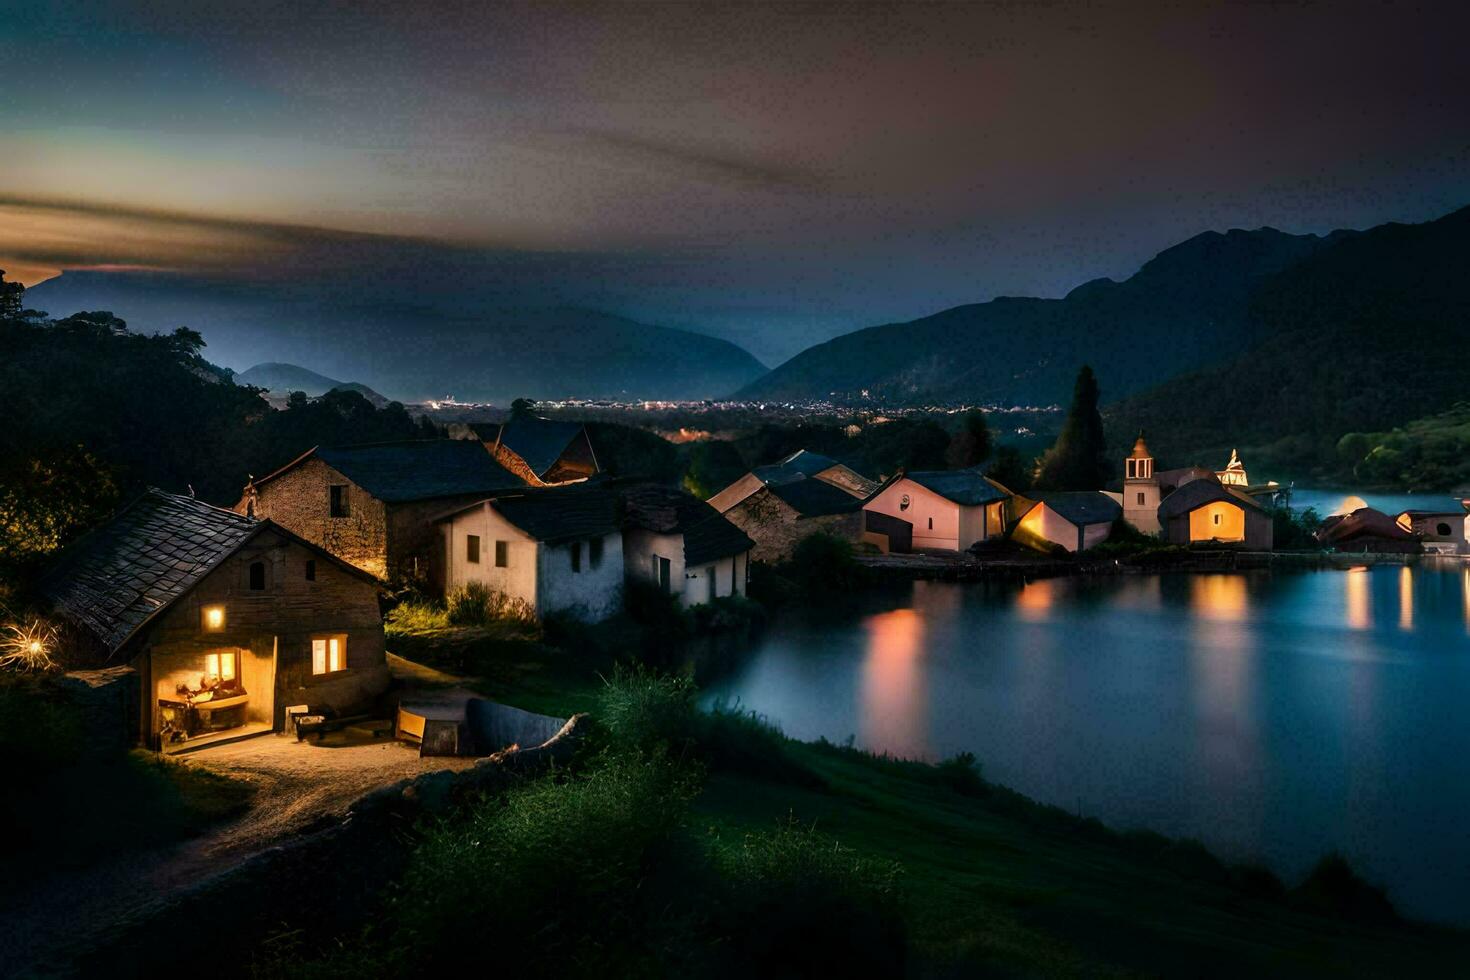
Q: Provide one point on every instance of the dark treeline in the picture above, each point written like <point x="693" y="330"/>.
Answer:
<point x="97" y="412"/>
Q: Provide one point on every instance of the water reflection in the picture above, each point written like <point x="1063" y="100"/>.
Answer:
<point x="1036" y="599"/>
<point x="1357" y="582"/>
<point x="1406" y="598"/>
<point x="895" y="710"/>
<point x="1219" y="597"/>
<point x="1465" y="591"/>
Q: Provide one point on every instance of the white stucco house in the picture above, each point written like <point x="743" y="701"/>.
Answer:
<point x="938" y="510"/>
<point x="557" y="549"/>
<point x="1074" y="520"/>
<point x="682" y="543"/>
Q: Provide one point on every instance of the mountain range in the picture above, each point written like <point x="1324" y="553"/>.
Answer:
<point x="282" y="379"/>
<point x="367" y="327"/>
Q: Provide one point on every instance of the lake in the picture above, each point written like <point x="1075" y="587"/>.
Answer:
<point x="1273" y="715"/>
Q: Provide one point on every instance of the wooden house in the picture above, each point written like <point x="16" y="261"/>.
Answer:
<point x="941" y="510"/>
<point x="226" y="620"/>
<point x="556" y="550"/>
<point x="1367" y="531"/>
<point x="374" y="505"/>
<point x="1074" y="520"/>
<point x="1203" y="510"/>
<point x="1440" y="531"/>
<point x="683" y="544"/>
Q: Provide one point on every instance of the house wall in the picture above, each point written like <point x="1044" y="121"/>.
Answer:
<point x="729" y="575"/>
<point x="1143" y="516"/>
<point x="954" y="528"/>
<point x="577" y="461"/>
<point x="1428" y="527"/>
<point x="1218" y="520"/>
<point x="593" y="593"/>
<point x="690" y="585"/>
<point x="414" y="544"/>
<point x="1095" y="534"/>
<point x="278" y="622"/>
<point x="1043" y="526"/>
<point x="776" y="527"/>
<point x="300" y="501"/>
<point x="518" y="578"/>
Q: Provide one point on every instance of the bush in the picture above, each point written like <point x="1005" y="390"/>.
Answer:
<point x="961" y="773"/>
<point x="823" y="565"/>
<point x="1335" y="890"/>
<point x="729" y="614"/>
<point x="476" y="604"/>
<point x="416" y="615"/>
<point x="805" y="905"/>
<point x="645" y="711"/>
<point x="729" y="739"/>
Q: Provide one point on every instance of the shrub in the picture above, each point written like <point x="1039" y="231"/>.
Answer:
<point x="824" y="565"/>
<point x="961" y="773"/>
<point x="476" y="604"/>
<point x="729" y="739"/>
<point x="416" y="616"/>
<point x="1335" y="890"/>
<point x="805" y="905"/>
<point x="644" y="711"/>
<point x="729" y="614"/>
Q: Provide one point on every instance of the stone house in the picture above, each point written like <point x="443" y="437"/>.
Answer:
<point x="1074" y="520"/>
<point x="542" y="452"/>
<point x="940" y="510"/>
<point x="800" y="465"/>
<point x="1205" y="511"/>
<point x="778" y="515"/>
<point x="225" y="619"/>
<point x="374" y="505"/>
<point x="683" y="544"/>
<point x="556" y="550"/>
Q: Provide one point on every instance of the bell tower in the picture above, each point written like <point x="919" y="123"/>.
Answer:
<point x="1141" y="489"/>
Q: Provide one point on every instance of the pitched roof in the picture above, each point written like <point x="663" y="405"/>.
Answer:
<point x="1363" y="522"/>
<point x="1197" y="493"/>
<point x="152" y="552"/>
<point x="540" y="442"/>
<point x="964" y="487"/>
<point x="1081" y="507"/>
<point x="797" y="466"/>
<point x="398" y="472"/>
<point x="561" y="513"/>
<point x="669" y="510"/>
<point x="815" y="498"/>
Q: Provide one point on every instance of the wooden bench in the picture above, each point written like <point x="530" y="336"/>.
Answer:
<point x="319" y="725"/>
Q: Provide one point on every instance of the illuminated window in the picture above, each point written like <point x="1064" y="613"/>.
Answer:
<point x="338" y="493"/>
<point x="214" y="618"/>
<point x="328" y="654"/>
<point x="257" y="576"/>
<point x="472" y="549"/>
<point x="502" y="554"/>
<point x="220" y="666"/>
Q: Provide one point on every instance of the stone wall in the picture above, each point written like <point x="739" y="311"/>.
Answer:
<point x="776" y="527"/>
<point x="300" y="501"/>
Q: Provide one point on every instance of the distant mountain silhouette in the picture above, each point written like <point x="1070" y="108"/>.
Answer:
<point x="1185" y="308"/>
<point x="1363" y="335"/>
<point x="371" y="327"/>
<point x="280" y="379"/>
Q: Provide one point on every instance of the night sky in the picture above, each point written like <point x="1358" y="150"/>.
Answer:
<point x="772" y="173"/>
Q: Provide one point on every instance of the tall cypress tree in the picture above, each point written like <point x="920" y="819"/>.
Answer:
<point x="1079" y="460"/>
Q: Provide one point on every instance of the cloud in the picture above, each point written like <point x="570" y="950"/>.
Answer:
<point x="703" y="163"/>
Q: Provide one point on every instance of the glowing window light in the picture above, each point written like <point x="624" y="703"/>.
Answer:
<point x="328" y="655"/>
<point x="214" y="618"/>
<point x="220" y="666"/>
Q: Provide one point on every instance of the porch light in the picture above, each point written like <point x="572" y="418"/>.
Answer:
<point x="214" y="618"/>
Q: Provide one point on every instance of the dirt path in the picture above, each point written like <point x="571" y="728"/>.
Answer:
<point x="298" y="785"/>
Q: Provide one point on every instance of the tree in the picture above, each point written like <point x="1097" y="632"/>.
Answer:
<point x="11" y="295"/>
<point x="1010" y="469"/>
<point x="971" y="445"/>
<point x="522" y="408"/>
<point x="1079" y="459"/>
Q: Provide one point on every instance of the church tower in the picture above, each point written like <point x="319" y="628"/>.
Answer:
<point x="1141" y="489"/>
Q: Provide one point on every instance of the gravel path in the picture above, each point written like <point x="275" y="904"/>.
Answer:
<point x="298" y="785"/>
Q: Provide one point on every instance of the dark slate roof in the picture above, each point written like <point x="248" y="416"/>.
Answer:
<point x="669" y="510"/>
<point x="1197" y="493"/>
<point x="798" y="465"/>
<point x="1363" y="522"/>
<point x="1081" y="507"/>
<point x="964" y="487"/>
<point x="398" y="472"/>
<point x="562" y="514"/>
<point x="540" y="442"/>
<point x="815" y="498"/>
<point x="156" y="549"/>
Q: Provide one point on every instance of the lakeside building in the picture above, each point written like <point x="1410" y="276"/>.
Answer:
<point x="685" y="546"/>
<point x="1074" y="520"/>
<point x="1203" y="511"/>
<point x="1368" y="531"/>
<point x="373" y="505"/>
<point x="939" y="510"/>
<point x="1439" y="531"/>
<point x="777" y="516"/>
<point x="225" y="620"/>
<point x="800" y="465"/>
<point x="553" y="550"/>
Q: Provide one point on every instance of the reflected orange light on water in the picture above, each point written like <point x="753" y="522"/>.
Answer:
<point x="1219" y="597"/>
<point x="895" y="709"/>
<point x="1465" y="591"/>
<point x="1036" y="599"/>
<point x="1406" y="598"/>
<point x="1359" y="599"/>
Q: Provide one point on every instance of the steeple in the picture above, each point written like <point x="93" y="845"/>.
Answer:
<point x="1140" y="464"/>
